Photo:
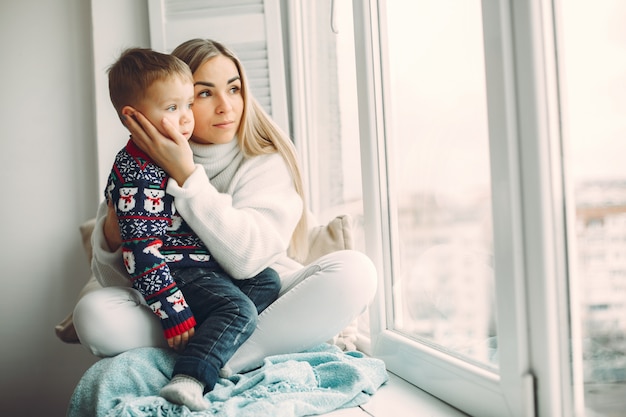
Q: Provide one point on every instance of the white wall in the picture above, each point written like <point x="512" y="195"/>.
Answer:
<point x="48" y="167"/>
<point x="130" y="20"/>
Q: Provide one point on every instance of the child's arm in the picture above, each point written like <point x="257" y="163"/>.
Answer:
<point x="144" y="212"/>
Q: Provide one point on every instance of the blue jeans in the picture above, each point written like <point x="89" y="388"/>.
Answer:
<point x="226" y="312"/>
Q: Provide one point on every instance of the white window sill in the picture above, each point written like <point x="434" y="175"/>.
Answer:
<point x="398" y="398"/>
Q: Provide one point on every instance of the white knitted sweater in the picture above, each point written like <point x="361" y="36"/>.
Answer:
<point x="244" y="210"/>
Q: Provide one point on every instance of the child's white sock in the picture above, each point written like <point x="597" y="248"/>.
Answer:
<point x="226" y="372"/>
<point x="185" y="390"/>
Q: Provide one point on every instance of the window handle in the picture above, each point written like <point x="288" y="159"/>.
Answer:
<point x="333" y="22"/>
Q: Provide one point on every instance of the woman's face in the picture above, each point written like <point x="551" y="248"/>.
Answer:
<point x="218" y="104"/>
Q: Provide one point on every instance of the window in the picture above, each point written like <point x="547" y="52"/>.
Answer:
<point x="435" y="247"/>
<point x="438" y="177"/>
<point x="443" y="205"/>
<point x="325" y="119"/>
<point x="492" y="207"/>
<point x="325" y="114"/>
<point x="593" y="44"/>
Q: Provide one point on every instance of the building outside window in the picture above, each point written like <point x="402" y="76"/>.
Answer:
<point x="490" y="165"/>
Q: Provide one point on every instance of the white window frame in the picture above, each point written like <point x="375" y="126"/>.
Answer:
<point x="535" y="376"/>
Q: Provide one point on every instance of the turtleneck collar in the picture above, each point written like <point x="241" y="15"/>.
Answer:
<point x="217" y="157"/>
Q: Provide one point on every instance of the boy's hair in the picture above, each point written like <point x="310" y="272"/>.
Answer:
<point x="135" y="71"/>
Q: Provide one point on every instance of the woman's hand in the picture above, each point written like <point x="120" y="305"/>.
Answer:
<point x="172" y="153"/>
<point x="112" y="229"/>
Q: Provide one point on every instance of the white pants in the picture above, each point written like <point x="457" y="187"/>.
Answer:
<point x="316" y="303"/>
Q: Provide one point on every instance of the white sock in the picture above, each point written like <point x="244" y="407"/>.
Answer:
<point x="185" y="390"/>
<point x="226" y="372"/>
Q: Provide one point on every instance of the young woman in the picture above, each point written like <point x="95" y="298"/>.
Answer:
<point x="238" y="185"/>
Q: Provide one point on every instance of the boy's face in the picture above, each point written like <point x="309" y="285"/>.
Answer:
<point x="171" y="99"/>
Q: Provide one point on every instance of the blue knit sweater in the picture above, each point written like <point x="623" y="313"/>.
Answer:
<point x="154" y="238"/>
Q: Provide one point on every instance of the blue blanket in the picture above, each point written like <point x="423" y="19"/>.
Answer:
<point x="314" y="382"/>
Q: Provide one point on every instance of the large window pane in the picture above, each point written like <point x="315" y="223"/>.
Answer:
<point x="593" y="60"/>
<point x="439" y="178"/>
<point x="327" y="105"/>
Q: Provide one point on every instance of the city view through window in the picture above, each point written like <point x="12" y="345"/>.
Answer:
<point x="439" y="179"/>
<point x="446" y="288"/>
<point x="593" y="59"/>
<point x="440" y="183"/>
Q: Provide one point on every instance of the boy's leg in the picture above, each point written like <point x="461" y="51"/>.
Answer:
<point x="226" y="318"/>
<point x="187" y="391"/>
<point x="262" y="289"/>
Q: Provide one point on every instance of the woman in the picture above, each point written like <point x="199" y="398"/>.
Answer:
<point x="237" y="184"/>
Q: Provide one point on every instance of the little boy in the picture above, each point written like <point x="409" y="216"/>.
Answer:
<point x="167" y="263"/>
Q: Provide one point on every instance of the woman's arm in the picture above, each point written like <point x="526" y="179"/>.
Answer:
<point x="249" y="225"/>
<point x="171" y="152"/>
<point x="106" y="263"/>
<point x="111" y="229"/>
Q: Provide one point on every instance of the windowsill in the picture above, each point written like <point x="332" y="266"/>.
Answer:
<point x="400" y="398"/>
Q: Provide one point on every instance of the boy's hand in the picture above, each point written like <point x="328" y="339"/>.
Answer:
<point x="179" y="342"/>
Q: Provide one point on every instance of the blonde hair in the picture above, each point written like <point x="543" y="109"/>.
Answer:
<point x="258" y="134"/>
<point x="135" y="71"/>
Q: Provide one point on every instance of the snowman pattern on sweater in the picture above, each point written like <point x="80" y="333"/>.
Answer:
<point x="155" y="239"/>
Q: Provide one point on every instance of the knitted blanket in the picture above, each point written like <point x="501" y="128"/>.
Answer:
<point x="314" y="382"/>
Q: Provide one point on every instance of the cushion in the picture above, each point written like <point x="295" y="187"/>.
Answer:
<point x="336" y="235"/>
<point x="323" y="239"/>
